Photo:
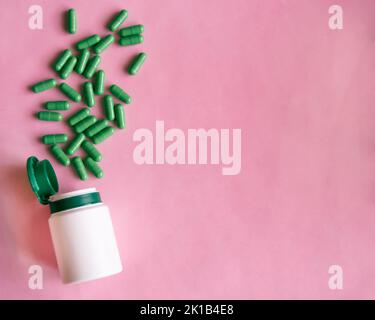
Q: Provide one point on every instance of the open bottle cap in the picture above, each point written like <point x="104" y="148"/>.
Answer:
<point x="42" y="179"/>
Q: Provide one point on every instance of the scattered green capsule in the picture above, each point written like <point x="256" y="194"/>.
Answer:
<point x="137" y="63"/>
<point x="99" y="82"/>
<point x="60" y="155"/>
<point x="79" y="168"/>
<point x="103" y="135"/>
<point x="49" y="116"/>
<point x="108" y="107"/>
<point x="118" y="20"/>
<point x="119" y="116"/>
<point x="84" y="124"/>
<point x="82" y="61"/>
<point x="104" y="43"/>
<point x="87" y="42"/>
<point x="57" y="105"/>
<point x="94" y="168"/>
<point x="96" y="127"/>
<point x="91" y="67"/>
<point x="68" y="67"/>
<point x="131" y="40"/>
<point x="43" y="85"/>
<point x="132" y="30"/>
<point x="78" y="116"/>
<point x="62" y="59"/>
<point x="70" y="92"/>
<point x="120" y="94"/>
<point x="75" y="144"/>
<point x="91" y="151"/>
<point x="54" y="138"/>
<point x="88" y="94"/>
<point x="71" y="21"/>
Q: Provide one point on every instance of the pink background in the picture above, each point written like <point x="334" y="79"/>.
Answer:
<point x="303" y="96"/>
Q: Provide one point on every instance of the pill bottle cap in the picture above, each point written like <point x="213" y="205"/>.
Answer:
<point x="42" y="179"/>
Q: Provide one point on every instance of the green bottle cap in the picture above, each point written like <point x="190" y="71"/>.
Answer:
<point x="42" y="179"/>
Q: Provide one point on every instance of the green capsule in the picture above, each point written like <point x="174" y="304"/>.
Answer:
<point x="120" y="94"/>
<point x="62" y="59"/>
<point x="60" y="155"/>
<point x="94" y="168"/>
<point x="78" y="116"/>
<point x="131" y="40"/>
<point x="108" y="107"/>
<point x="99" y="82"/>
<point x="70" y="92"/>
<point x="43" y="85"/>
<point x="91" y="151"/>
<point x="84" y="124"/>
<point x="96" y="127"/>
<point x="87" y="42"/>
<point x="132" y="30"/>
<point x="68" y="67"/>
<point x="88" y="94"/>
<point x="104" y="43"/>
<point x="49" y="116"/>
<point x="137" y="63"/>
<point x="91" y="67"/>
<point x="54" y="138"/>
<point x="119" y="116"/>
<point x="103" y="135"/>
<point x="71" y="21"/>
<point x="75" y="144"/>
<point x="57" y="105"/>
<point x="79" y="168"/>
<point x="118" y="20"/>
<point x="82" y="61"/>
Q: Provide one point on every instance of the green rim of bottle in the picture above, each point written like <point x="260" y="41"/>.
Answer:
<point x="75" y="202"/>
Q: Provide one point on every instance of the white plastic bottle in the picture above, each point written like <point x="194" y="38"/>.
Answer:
<point x="80" y="225"/>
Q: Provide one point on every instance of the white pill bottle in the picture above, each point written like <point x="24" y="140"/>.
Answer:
<point x="80" y="226"/>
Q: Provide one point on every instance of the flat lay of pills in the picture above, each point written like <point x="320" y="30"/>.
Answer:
<point x="84" y="58"/>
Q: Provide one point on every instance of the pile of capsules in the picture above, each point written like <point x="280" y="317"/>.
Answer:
<point x="86" y="126"/>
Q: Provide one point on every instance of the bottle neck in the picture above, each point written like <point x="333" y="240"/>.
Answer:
<point x="72" y="200"/>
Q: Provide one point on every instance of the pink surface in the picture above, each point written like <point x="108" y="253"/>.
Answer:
<point x="303" y="96"/>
